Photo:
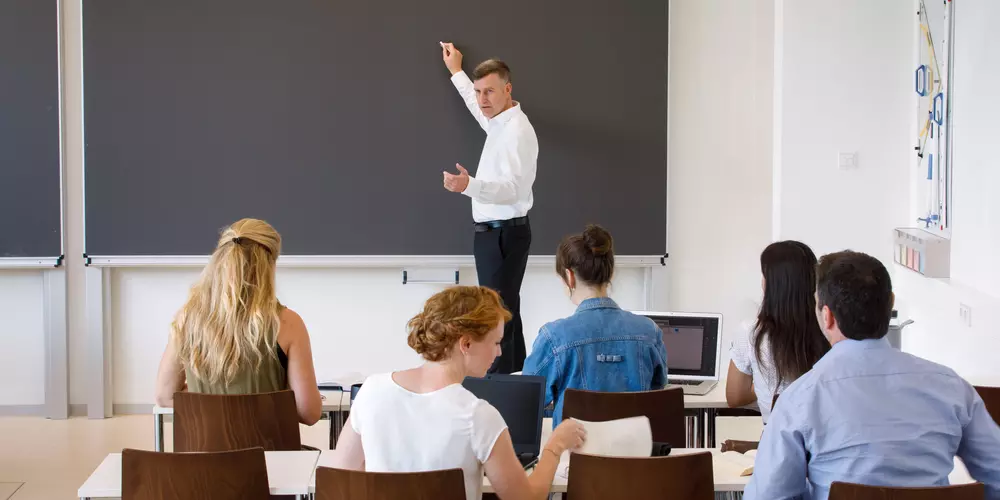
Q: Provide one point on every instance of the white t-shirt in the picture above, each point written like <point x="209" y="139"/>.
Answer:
<point x="765" y="378"/>
<point x="402" y="431"/>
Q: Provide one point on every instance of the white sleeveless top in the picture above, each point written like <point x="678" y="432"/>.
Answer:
<point x="402" y="431"/>
<point x="765" y="377"/>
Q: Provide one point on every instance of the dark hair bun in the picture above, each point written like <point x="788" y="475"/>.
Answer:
<point x="598" y="240"/>
<point x="591" y="256"/>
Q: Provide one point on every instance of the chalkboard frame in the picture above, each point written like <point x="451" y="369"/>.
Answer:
<point x="34" y="256"/>
<point x="295" y="258"/>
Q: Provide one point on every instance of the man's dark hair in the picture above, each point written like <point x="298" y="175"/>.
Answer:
<point x="492" y="66"/>
<point x="857" y="289"/>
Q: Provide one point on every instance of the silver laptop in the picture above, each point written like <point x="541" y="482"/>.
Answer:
<point x="693" y="349"/>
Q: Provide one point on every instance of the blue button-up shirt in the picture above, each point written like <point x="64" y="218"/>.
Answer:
<point x="598" y="348"/>
<point x="870" y="414"/>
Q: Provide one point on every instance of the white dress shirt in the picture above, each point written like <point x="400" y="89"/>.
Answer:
<point x="501" y="188"/>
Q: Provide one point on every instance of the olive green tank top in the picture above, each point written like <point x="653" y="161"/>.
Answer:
<point x="270" y="377"/>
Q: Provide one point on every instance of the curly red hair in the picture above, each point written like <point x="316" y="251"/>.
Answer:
<point x="452" y="313"/>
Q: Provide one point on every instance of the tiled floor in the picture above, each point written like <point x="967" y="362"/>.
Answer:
<point x="54" y="457"/>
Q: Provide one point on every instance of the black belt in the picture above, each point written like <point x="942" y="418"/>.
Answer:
<point x="485" y="227"/>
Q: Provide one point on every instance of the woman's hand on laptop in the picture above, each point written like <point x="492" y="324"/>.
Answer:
<point x="569" y="435"/>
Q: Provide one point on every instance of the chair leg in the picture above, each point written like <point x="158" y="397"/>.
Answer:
<point x="691" y="426"/>
<point x="710" y="417"/>
<point x="158" y="432"/>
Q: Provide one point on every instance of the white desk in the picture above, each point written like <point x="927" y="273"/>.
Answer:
<point x="716" y="398"/>
<point x="334" y="403"/>
<point x="727" y="475"/>
<point x="708" y="407"/>
<point x="288" y="473"/>
<point x="960" y="475"/>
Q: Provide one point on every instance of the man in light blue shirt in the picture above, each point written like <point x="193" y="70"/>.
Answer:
<point x="868" y="413"/>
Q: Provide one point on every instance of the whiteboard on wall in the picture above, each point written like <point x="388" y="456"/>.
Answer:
<point x="933" y="141"/>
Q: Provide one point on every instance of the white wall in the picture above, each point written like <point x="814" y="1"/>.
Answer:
<point x="846" y="86"/>
<point x="719" y="146"/>
<point x="976" y="105"/>
<point x="938" y="333"/>
<point x="356" y="317"/>
<point x="22" y="339"/>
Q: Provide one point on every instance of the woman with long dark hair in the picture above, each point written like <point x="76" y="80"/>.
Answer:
<point x="786" y="341"/>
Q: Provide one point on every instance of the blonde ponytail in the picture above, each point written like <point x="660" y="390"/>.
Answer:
<point x="231" y="318"/>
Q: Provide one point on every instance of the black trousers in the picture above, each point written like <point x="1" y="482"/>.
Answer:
<point x="501" y="258"/>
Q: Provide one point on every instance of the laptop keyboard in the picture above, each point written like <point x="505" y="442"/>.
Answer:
<point x="686" y="382"/>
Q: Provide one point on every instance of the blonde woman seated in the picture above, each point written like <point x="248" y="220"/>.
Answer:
<point x="233" y="336"/>
<point x="422" y="419"/>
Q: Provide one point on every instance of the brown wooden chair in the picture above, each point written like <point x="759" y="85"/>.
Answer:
<point x="236" y="475"/>
<point x="208" y="422"/>
<point x="991" y="396"/>
<point x="664" y="408"/>
<point x="338" y="484"/>
<point x="849" y="491"/>
<point x="688" y="477"/>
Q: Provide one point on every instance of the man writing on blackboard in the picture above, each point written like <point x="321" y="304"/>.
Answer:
<point x="500" y="191"/>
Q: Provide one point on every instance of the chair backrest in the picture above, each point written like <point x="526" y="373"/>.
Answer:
<point x="849" y="491"/>
<point x="991" y="396"/>
<point x="338" y="484"/>
<point x="688" y="476"/>
<point x="208" y="422"/>
<point x="664" y="408"/>
<point x="236" y="475"/>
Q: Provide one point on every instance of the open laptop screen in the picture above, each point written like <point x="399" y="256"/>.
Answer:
<point x="520" y="399"/>
<point x="692" y="343"/>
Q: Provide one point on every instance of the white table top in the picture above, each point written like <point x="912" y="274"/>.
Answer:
<point x="727" y="476"/>
<point x="288" y="473"/>
<point x="332" y="401"/>
<point x="960" y="475"/>
<point x="292" y="473"/>
<point x="716" y="398"/>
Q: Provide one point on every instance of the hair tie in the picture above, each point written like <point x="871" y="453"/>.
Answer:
<point x="239" y="241"/>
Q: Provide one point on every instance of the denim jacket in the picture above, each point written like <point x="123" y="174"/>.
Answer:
<point x="598" y="348"/>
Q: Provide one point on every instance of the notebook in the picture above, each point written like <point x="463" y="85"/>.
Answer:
<point x="742" y="463"/>
<point x="626" y="437"/>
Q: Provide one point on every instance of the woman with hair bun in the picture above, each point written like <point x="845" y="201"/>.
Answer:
<point x="600" y="347"/>
<point x="422" y="419"/>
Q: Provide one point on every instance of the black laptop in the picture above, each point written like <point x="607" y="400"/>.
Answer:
<point x="520" y="399"/>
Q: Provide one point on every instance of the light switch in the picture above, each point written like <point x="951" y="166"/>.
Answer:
<point x="847" y="161"/>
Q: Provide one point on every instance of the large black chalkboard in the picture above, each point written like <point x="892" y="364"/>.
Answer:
<point x="333" y="120"/>
<point x="30" y="196"/>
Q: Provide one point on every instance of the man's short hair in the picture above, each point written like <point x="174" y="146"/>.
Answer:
<point x="857" y="289"/>
<point x="490" y="67"/>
